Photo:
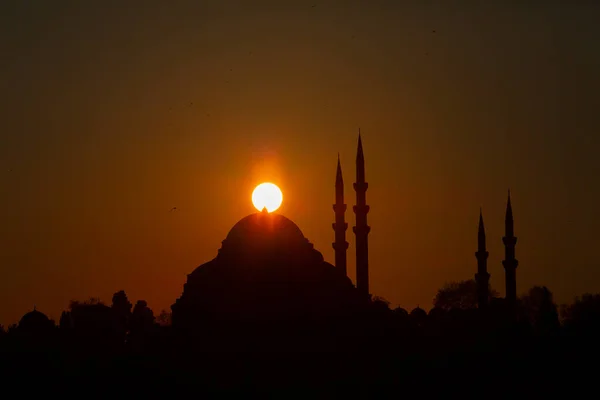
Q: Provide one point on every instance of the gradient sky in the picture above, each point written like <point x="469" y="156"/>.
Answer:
<point x="112" y="114"/>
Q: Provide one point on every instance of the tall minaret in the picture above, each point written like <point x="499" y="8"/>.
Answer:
<point x="340" y="245"/>
<point x="510" y="262"/>
<point x="361" y="230"/>
<point x="482" y="277"/>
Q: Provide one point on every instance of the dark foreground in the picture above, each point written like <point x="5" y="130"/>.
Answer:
<point x="519" y="366"/>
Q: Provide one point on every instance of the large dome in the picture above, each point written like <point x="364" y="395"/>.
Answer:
<point x="264" y="233"/>
<point x="265" y="225"/>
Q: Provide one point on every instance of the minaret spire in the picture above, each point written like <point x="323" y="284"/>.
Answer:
<point x="510" y="263"/>
<point x="360" y="161"/>
<point x="361" y="230"/>
<point x="339" y="180"/>
<point x="508" y="220"/>
<point x="481" y="232"/>
<point x="340" y="226"/>
<point x="482" y="277"/>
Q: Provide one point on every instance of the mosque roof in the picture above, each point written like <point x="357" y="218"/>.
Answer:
<point x="266" y="268"/>
<point x="263" y="225"/>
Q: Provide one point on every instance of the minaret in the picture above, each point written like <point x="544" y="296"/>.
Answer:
<point x="340" y="245"/>
<point x="361" y="230"/>
<point x="510" y="262"/>
<point x="482" y="277"/>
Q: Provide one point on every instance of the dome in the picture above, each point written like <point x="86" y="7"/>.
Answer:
<point x="418" y="313"/>
<point x="34" y="320"/>
<point x="264" y="233"/>
<point x="265" y="225"/>
<point x="265" y="239"/>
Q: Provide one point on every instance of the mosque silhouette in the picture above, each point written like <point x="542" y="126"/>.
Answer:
<point x="267" y="273"/>
<point x="266" y="270"/>
<point x="269" y="312"/>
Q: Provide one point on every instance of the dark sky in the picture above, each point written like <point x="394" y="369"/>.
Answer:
<point x="112" y="114"/>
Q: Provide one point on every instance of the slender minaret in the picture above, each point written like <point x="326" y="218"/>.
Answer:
<point x="510" y="262"/>
<point x="482" y="277"/>
<point x="340" y="245"/>
<point x="361" y="230"/>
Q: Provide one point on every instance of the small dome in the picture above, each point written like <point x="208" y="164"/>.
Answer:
<point x="418" y="313"/>
<point x="34" y="320"/>
<point x="400" y="312"/>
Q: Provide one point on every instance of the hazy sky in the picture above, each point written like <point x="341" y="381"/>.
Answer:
<point x="112" y="114"/>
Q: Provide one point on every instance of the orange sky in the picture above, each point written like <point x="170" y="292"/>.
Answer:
<point x="112" y="115"/>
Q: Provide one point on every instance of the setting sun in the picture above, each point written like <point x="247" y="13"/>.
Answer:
<point x="267" y="195"/>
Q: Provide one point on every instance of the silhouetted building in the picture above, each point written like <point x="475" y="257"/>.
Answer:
<point x="510" y="263"/>
<point x="361" y="230"/>
<point x="266" y="270"/>
<point x="482" y="277"/>
<point x="340" y="226"/>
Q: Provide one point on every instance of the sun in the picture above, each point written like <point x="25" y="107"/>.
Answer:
<point x="267" y="195"/>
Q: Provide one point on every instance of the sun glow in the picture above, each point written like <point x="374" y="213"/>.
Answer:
<point x="267" y="195"/>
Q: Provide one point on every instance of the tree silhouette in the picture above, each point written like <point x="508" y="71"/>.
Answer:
<point x="460" y="295"/>
<point x="122" y="310"/>
<point x="164" y="318"/>
<point x="65" y="321"/>
<point x="380" y="304"/>
<point x="540" y="310"/>
<point x="583" y="315"/>
<point x="90" y="302"/>
<point x="93" y="319"/>
<point x="120" y="303"/>
<point x="142" y="318"/>
<point x="437" y="313"/>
